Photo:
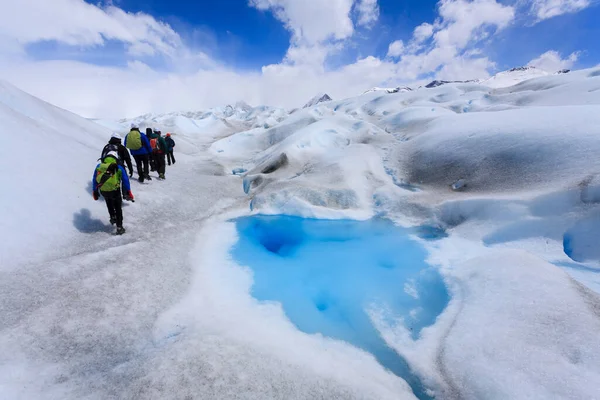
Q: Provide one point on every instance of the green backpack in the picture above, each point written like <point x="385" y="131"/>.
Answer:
<point x="108" y="176"/>
<point x="134" y="140"/>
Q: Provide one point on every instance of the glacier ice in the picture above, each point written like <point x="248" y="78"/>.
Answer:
<point x="328" y="274"/>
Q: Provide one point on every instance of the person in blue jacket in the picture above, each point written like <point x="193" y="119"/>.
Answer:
<point x="110" y="180"/>
<point x="139" y="146"/>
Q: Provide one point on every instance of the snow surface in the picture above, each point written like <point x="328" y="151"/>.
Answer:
<point x="47" y="160"/>
<point x="389" y="90"/>
<point x="172" y="310"/>
<point x="318" y="99"/>
<point x="514" y="76"/>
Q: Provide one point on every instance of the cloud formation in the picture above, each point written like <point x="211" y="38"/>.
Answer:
<point x="552" y="61"/>
<point x="448" y="47"/>
<point x="544" y="9"/>
<point x="312" y="21"/>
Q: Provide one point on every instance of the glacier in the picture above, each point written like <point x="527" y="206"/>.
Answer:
<point x="319" y="253"/>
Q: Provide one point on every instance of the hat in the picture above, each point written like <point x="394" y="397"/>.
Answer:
<point x="168" y="134"/>
<point x="134" y="125"/>
<point x="112" y="154"/>
<point x="116" y="136"/>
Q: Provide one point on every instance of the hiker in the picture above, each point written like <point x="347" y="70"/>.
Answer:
<point x="114" y="144"/>
<point x="151" y="156"/>
<point x="170" y="144"/>
<point x="139" y="145"/>
<point x="110" y="180"/>
<point x="159" y="149"/>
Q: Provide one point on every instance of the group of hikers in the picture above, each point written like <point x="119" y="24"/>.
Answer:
<point x="110" y="178"/>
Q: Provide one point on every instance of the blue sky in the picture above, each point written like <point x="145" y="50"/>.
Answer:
<point x="247" y="38"/>
<point x="77" y="53"/>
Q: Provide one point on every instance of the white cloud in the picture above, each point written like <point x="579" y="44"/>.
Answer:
<point x="368" y="12"/>
<point x="312" y="21"/>
<point x="552" y="61"/>
<point x="463" y="19"/>
<point x="449" y="47"/>
<point x="466" y="68"/>
<point x="78" y="23"/>
<point x="396" y="49"/>
<point x="422" y="32"/>
<point x="451" y="52"/>
<point x="544" y="9"/>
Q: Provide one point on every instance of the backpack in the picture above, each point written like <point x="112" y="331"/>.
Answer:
<point x="108" y="177"/>
<point x="154" y="145"/>
<point x="108" y="148"/>
<point x="134" y="140"/>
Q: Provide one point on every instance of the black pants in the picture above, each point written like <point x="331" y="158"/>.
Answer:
<point x="160" y="163"/>
<point x="141" y="163"/>
<point x="114" y="203"/>
<point x="170" y="157"/>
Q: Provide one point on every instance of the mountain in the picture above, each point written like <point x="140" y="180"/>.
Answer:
<point x="320" y="98"/>
<point x="514" y="76"/>
<point x="389" y="90"/>
<point x="437" y="83"/>
<point x="206" y="124"/>
<point x="323" y="254"/>
<point x="47" y="159"/>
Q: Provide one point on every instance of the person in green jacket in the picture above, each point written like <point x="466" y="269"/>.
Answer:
<point x="159" y="150"/>
<point x="110" y="180"/>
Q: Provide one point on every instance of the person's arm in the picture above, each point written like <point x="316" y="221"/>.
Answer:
<point x="125" y="188"/>
<point x="125" y="156"/>
<point x="95" y="193"/>
<point x="124" y="180"/>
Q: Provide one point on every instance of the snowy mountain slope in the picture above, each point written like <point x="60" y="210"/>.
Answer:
<point x="48" y="158"/>
<point x="92" y="317"/>
<point x="528" y="155"/>
<point x="437" y="136"/>
<point x="438" y="83"/>
<point x="516" y="249"/>
<point x="514" y="76"/>
<point x="389" y="90"/>
<point x="318" y="99"/>
<point x="193" y="129"/>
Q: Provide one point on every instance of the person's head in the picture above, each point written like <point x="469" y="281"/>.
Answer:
<point x="159" y="133"/>
<point x="148" y="131"/>
<point x="115" y="138"/>
<point x="168" y="135"/>
<point x="134" y="126"/>
<point x="111" y="157"/>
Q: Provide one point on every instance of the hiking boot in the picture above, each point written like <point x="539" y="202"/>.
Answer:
<point x="141" y="179"/>
<point x="161" y="176"/>
<point x="148" y="178"/>
<point x="120" y="230"/>
<point x="113" y="220"/>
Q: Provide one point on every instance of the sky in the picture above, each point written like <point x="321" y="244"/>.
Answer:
<point x="122" y="58"/>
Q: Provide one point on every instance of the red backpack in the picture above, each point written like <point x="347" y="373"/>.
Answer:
<point x="154" y="145"/>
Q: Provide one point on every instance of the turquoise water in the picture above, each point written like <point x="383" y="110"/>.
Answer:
<point x="327" y="273"/>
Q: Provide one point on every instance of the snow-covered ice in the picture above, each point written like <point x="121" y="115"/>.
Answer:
<point x="328" y="274"/>
<point x="439" y="242"/>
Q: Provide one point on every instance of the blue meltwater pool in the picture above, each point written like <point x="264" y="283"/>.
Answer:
<point x="327" y="274"/>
